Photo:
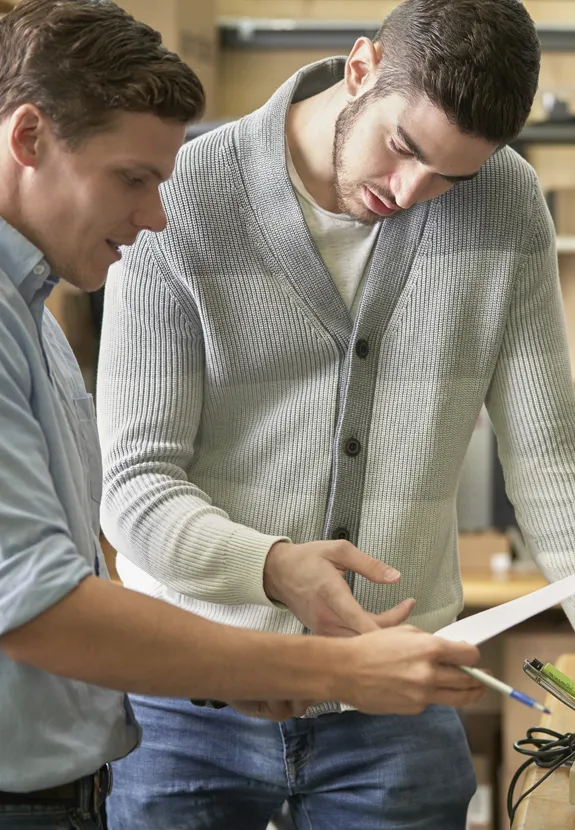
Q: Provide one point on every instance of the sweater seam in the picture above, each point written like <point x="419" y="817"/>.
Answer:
<point x="528" y="248"/>
<point x="166" y="276"/>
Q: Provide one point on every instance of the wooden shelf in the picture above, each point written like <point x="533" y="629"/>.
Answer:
<point x="566" y="244"/>
<point x="287" y="33"/>
<point x="482" y="590"/>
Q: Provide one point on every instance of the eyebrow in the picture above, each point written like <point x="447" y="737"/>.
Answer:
<point x="420" y="156"/>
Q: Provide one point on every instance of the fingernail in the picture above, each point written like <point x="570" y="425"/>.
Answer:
<point x="391" y="573"/>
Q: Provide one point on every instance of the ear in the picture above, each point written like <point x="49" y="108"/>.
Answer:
<point x="27" y="134"/>
<point x="362" y="65"/>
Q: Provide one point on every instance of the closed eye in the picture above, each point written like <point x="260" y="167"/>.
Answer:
<point x="134" y="181"/>
<point x="397" y="148"/>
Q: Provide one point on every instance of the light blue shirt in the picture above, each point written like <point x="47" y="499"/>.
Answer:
<point x="52" y="730"/>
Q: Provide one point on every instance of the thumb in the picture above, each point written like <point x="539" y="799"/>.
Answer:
<point x="397" y="615"/>
<point x="353" y="559"/>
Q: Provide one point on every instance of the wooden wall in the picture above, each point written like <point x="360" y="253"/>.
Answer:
<point x="543" y="11"/>
<point x="248" y="77"/>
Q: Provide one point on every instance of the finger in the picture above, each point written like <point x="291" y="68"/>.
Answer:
<point x="397" y="615"/>
<point x="448" y="677"/>
<point x="447" y="697"/>
<point x="352" y="559"/>
<point x="458" y="654"/>
<point x="351" y="615"/>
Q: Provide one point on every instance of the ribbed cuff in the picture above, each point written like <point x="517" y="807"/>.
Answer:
<point x="250" y="548"/>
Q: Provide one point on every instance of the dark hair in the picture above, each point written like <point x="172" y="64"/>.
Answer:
<point x="477" y="60"/>
<point x="82" y="61"/>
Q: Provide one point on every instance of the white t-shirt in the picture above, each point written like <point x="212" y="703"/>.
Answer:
<point x="344" y="244"/>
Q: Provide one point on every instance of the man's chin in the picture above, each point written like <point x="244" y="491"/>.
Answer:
<point x="361" y="214"/>
<point x="358" y="210"/>
<point x="88" y="282"/>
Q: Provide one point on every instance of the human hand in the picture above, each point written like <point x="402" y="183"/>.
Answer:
<point x="310" y="580"/>
<point x="403" y="670"/>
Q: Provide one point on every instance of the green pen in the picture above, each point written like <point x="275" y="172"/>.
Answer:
<point x="560" y="679"/>
<point x="552" y="680"/>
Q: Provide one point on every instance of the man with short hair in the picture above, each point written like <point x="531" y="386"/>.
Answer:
<point x="348" y="273"/>
<point x="92" y="113"/>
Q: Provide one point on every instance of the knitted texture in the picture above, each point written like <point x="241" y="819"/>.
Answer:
<point x="229" y="381"/>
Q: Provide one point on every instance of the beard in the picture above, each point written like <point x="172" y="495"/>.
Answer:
<point x="347" y="191"/>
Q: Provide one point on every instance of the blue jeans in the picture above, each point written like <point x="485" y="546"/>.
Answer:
<point x="203" y="769"/>
<point x="43" y="817"/>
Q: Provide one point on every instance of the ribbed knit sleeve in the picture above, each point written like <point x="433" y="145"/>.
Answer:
<point x="532" y="406"/>
<point x="151" y="377"/>
<point x="238" y="400"/>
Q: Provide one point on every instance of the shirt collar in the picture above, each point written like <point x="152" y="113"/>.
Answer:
<point x="23" y="263"/>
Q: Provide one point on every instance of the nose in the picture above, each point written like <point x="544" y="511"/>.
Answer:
<point x="411" y="188"/>
<point x="151" y="216"/>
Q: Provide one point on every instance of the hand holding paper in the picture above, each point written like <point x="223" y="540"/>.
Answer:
<point x="486" y="624"/>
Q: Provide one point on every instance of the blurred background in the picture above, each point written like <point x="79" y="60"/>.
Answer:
<point x="243" y="50"/>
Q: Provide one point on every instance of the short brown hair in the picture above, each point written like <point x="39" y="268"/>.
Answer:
<point x="82" y="61"/>
<point x="477" y="60"/>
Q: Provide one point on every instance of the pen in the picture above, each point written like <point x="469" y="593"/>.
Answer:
<point x="499" y="686"/>
<point x="559" y="679"/>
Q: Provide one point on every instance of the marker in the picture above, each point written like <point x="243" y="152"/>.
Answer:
<point x="559" y="678"/>
<point x="499" y="686"/>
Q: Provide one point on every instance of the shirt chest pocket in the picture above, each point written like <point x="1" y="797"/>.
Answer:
<point x="88" y="444"/>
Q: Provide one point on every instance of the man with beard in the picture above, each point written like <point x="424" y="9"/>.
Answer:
<point x="81" y="166"/>
<point x="290" y="377"/>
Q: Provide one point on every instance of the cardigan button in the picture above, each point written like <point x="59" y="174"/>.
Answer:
<point x="352" y="447"/>
<point x="341" y="533"/>
<point x="362" y="349"/>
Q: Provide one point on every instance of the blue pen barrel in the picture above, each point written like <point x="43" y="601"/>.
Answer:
<point x="528" y="701"/>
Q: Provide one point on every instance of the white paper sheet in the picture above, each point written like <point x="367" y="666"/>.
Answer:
<point x="486" y="624"/>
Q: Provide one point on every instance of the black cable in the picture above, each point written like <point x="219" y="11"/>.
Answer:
<point x="550" y="752"/>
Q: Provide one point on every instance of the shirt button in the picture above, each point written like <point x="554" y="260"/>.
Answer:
<point x="39" y="270"/>
<point x="362" y="349"/>
<point x="352" y="447"/>
<point x="341" y="533"/>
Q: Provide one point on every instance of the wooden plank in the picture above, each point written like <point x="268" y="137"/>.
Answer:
<point x="564" y="212"/>
<point x="555" y="165"/>
<point x="542" y="11"/>
<point x="551" y="11"/>
<point x="567" y="274"/>
<point x="248" y="78"/>
<point x="482" y="590"/>
<point x="557" y="73"/>
<point x="311" y="9"/>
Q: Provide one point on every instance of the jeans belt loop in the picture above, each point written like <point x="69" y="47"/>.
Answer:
<point x="103" y="782"/>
